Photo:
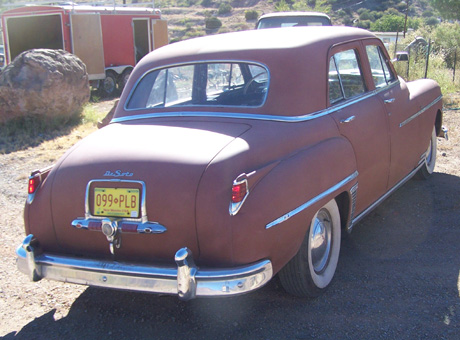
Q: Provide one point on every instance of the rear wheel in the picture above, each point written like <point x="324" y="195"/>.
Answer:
<point x="430" y="158"/>
<point x="311" y="270"/>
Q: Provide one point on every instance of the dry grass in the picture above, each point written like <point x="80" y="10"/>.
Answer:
<point x="50" y="138"/>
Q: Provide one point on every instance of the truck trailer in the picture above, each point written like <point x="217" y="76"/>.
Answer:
<point x="109" y="40"/>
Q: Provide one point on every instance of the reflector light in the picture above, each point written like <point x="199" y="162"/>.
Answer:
<point x="34" y="182"/>
<point x="238" y="192"/>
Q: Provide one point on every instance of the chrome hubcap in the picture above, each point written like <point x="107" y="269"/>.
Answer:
<point x="320" y="241"/>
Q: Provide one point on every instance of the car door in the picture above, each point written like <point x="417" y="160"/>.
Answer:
<point x="395" y="97"/>
<point x="362" y="119"/>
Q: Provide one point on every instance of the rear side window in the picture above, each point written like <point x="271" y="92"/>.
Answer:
<point x="381" y="72"/>
<point x="345" y="76"/>
<point x="211" y="84"/>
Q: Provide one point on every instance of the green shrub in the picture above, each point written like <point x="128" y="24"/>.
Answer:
<point x="366" y="24"/>
<point x="282" y="6"/>
<point x="212" y="23"/>
<point x="366" y="15"/>
<point x="224" y="8"/>
<point x="251" y="15"/>
<point x="206" y="3"/>
<point x="394" y="23"/>
<point x="445" y="38"/>
<point x="432" y="21"/>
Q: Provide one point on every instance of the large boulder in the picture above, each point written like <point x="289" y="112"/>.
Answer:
<point x="43" y="82"/>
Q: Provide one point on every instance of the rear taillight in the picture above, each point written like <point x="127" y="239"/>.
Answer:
<point x="240" y="191"/>
<point x="34" y="182"/>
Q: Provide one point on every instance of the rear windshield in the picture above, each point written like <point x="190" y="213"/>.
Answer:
<point x="289" y="21"/>
<point x="212" y="84"/>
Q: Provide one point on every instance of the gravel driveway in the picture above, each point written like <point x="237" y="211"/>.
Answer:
<point x="398" y="277"/>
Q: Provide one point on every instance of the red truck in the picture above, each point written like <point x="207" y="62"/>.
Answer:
<point x="109" y="40"/>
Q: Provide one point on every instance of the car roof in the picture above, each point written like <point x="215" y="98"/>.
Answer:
<point x="295" y="57"/>
<point x="250" y="44"/>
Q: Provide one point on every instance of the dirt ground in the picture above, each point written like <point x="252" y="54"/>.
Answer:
<point x="398" y="275"/>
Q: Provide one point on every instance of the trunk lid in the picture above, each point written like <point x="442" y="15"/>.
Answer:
<point x="169" y="158"/>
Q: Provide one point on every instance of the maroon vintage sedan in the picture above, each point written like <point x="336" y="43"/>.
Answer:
<point x="232" y="158"/>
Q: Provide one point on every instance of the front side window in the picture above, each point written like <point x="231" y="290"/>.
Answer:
<point x="345" y="77"/>
<point x="381" y="72"/>
<point x="218" y="84"/>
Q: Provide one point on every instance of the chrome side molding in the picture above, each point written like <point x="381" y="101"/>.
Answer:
<point x="314" y="200"/>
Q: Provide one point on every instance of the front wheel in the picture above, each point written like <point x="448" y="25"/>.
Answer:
<point x="311" y="270"/>
<point x="430" y="158"/>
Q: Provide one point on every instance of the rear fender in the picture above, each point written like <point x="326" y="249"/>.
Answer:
<point x="278" y="211"/>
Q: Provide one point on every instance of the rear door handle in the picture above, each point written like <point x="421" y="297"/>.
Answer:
<point x="347" y="120"/>
<point x="389" y="101"/>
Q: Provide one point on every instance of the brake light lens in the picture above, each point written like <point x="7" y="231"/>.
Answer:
<point x="239" y="191"/>
<point x="34" y="182"/>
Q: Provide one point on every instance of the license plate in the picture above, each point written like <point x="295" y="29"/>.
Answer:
<point x="116" y="202"/>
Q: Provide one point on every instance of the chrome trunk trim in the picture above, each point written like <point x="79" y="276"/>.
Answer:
<point x="185" y="280"/>
<point x="113" y="227"/>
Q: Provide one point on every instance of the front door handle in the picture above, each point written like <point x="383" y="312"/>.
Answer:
<point x="389" y="101"/>
<point x="348" y="120"/>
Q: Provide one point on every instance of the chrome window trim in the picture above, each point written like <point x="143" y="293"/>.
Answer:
<point x="408" y="120"/>
<point x="191" y="63"/>
<point x="273" y="118"/>
<point x="314" y="200"/>
<point x="284" y="119"/>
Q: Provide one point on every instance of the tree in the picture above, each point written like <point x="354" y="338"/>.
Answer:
<point x="449" y="9"/>
<point x="282" y="6"/>
<point x="393" y="23"/>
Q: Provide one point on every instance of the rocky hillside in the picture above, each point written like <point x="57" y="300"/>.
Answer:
<point x="191" y="18"/>
<point x="188" y="18"/>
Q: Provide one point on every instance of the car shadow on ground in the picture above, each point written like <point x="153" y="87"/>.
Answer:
<point x="398" y="277"/>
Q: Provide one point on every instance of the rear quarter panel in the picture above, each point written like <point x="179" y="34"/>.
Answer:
<point x="300" y="161"/>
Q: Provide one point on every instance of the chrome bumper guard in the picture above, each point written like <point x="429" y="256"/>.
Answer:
<point x="186" y="280"/>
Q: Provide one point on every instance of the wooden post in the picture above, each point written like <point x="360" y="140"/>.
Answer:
<point x="427" y="58"/>
<point x="455" y="63"/>
<point x="405" y="20"/>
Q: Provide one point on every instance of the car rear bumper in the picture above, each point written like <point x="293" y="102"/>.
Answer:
<point x="185" y="279"/>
